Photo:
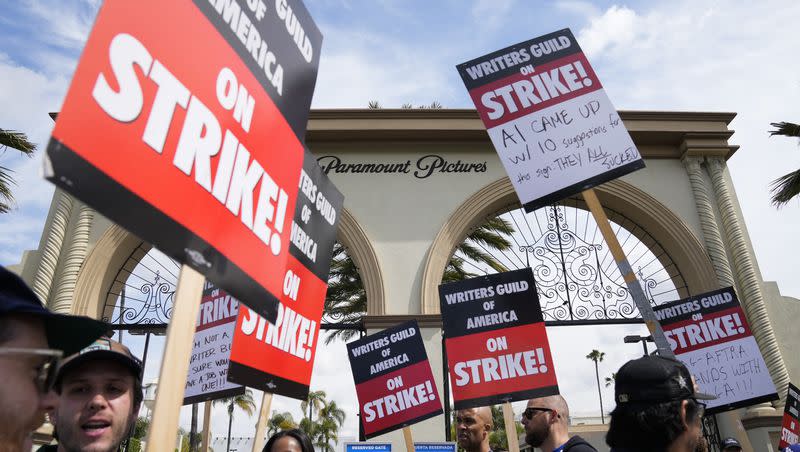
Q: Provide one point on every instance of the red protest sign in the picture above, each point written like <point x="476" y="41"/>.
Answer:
<point x="790" y="427"/>
<point x="394" y="381"/>
<point x="497" y="347"/>
<point x="279" y="358"/>
<point x="179" y="131"/>
<point x="710" y="334"/>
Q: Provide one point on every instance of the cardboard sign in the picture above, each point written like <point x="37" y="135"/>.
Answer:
<point x="790" y="427"/>
<point x="208" y="366"/>
<point x="183" y="124"/>
<point x="549" y="118"/>
<point x="710" y="334"/>
<point x="394" y="381"/>
<point x="497" y="347"/>
<point x="434" y="447"/>
<point x="279" y="358"/>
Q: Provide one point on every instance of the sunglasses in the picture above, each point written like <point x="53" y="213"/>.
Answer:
<point x="701" y="408"/>
<point x="531" y="411"/>
<point x="46" y="372"/>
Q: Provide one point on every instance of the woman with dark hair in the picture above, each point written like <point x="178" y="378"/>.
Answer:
<point x="294" y="440"/>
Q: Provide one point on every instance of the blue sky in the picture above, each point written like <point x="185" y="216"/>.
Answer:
<point x="659" y="55"/>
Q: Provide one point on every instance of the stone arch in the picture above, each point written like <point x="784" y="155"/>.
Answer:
<point x="115" y="246"/>
<point x="660" y="222"/>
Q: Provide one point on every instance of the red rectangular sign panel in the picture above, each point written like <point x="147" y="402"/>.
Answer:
<point x="394" y="381"/>
<point x="168" y="131"/>
<point x="497" y="347"/>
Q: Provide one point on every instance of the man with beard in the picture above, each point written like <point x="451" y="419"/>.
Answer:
<point x="546" y="422"/>
<point x="32" y="340"/>
<point x="658" y="408"/>
<point x="473" y="427"/>
<point x="100" y="391"/>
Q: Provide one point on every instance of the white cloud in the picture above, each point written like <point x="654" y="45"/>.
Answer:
<point x="491" y="14"/>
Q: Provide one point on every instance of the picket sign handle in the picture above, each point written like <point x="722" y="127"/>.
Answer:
<point x="511" y="427"/>
<point x="634" y="287"/>
<point x="205" y="444"/>
<point x="175" y="363"/>
<point x="261" y="425"/>
<point x="409" y="439"/>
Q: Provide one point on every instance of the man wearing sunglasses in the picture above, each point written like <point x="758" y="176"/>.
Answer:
<point x="546" y="422"/>
<point x="32" y="339"/>
<point x="100" y="392"/>
<point x="658" y="408"/>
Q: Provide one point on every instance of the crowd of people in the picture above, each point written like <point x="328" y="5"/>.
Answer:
<point x="64" y="368"/>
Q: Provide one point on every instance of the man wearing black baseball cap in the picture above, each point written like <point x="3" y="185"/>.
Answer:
<point x="730" y="445"/>
<point x="100" y="392"/>
<point x="658" y="408"/>
<point x="32" y="339"/>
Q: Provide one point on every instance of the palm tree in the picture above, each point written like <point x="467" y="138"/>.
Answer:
<point x="346" y="300"/>
<point x="15" y="140"/>
<point x="597" y="356"/>
<point x="280" y="422"/>
<point x="314" y="402"/>
<point x="331" y="419"/>
<point x="244" y="401"/>
<point x="610" y="380"/>
<point x="787" y="186"/>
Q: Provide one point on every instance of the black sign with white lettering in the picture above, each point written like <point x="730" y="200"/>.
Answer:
<point x="319" y="204"/>
<point x="490" y="302"/>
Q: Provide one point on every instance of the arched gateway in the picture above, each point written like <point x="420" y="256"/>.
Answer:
<point x="416" y="182"/>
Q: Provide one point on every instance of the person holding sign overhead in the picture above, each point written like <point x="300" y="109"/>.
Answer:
<point x="473" y="427"/>
<point x="546" y="422"/>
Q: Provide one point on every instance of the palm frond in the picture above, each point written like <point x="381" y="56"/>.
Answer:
<point x="784" y="188"/>
<point x="787" y="129"/>
<point x="16" y="140"/>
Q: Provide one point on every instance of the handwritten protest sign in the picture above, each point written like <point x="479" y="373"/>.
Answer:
<point x="710" y="334"/>
<point x="184" y="124"/>
<point x="790" y="427"/>
<point x="279" y="358"/>
<point x="550" y="120"/>
<point x="208" y="366"/>
<point x="497" y="347"/>
<point x="394" y="381"/>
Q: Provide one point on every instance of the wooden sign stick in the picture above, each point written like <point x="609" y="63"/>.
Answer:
<point x="175" y="363"/>
<point x="408" y="438"/>
<point x="261" y="425"/>
<point x="205" y="445"/>
<point x="511" y="427"/>
<point x="634" y="287"/>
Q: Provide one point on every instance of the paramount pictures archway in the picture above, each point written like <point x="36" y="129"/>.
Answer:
<point x="417" y="181"/>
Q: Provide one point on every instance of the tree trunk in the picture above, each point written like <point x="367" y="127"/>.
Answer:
<point x="599" y="393"/>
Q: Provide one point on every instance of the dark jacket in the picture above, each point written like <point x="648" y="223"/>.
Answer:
<point x="578" y="444"/>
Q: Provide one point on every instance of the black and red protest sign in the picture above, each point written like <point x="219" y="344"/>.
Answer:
<point x="496" y="342"/>
<point x="279" y="358"/>
<point x="790" y="427"/>
<point x="552" y="124"/>
<point x="183" y="123"/>
<point x="394" y="381"/>
<point x="710" y="334"/>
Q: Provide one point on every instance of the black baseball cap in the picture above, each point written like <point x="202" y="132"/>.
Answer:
<point x="729" y="442"/>
<point x="655" y="379"/>
<point x="103" y="349"/>
<point x="68" y="333"/>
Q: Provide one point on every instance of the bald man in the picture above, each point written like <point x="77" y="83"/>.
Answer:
<point x="546" y="422"/>
<point x="473" y="427"/>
